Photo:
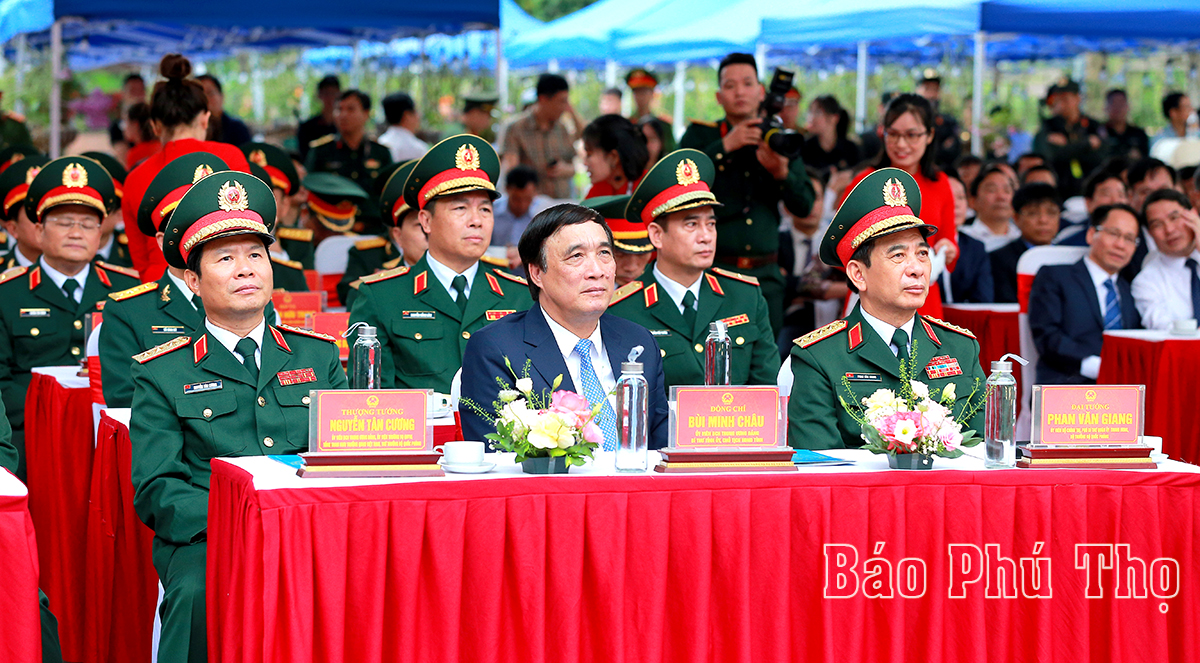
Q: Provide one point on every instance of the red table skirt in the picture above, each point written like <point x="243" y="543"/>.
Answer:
<point x="1171" y="372"/>
<point x="122" y="585"/>
<point x="58" y="452"/>
<point x="20" y="629"/>
<point x="997" y="331"/>
<point x="716" y="568"/>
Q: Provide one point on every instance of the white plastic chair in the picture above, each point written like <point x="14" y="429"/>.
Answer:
<point x="331" y="254"/>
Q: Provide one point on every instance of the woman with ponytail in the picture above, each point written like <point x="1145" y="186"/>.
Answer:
<point x="179" y="116"/>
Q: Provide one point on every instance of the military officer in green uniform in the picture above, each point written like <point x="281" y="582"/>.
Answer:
<point x="425" y="314"/>
<point x="153" y="313"/>
<point x="14" y="185"/>
<point x="42" y="308"/>
<point x="477" y="116"/>
<point x="13" y="131"/>
<point x="643" y="84"/>
<point x="290" y="243"/>
<point x="114" y="243"/>
<point x="680" y="292"/>
<point x="351" y="154"/>
<point x="878" y="238"/>
<point x="751" y="181"/>
<point x="237" y="386"/>
<point x="404" y="244"/>
<point x="289" y="274"/>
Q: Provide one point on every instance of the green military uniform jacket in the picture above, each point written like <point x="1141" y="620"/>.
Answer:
<point x="289" y="275"/>
<point x="422" y="333"/>
<point x="136" y="320"/>
<point x="13" y="130"/>
<point x="366" y="257"/>
<point x="330" y="154"/>
<point x="119" y="255"/>
<point x="8" y="260"/>
<point x="39" y="326"/>
<point x="727" y="296"/>
<point x="194" y="401"/>
<point x="852" y="349"/>
<point x="298" y="242"/>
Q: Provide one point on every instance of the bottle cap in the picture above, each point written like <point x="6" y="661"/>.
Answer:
<point x="631" y="367"/>
<point x="363" y="330"/>
<point x="1005" y="366"/>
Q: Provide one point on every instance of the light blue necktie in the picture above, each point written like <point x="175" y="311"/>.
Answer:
<point x="592" y="391"/>
<point x="1112" y="307"/>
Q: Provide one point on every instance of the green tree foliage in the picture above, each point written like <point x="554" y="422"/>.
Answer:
<point x="548" y="10"/>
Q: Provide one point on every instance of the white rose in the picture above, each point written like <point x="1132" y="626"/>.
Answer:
<point x="920" y="389"/>
<point x="508" y="395"/>
<point x="525" y="385"/>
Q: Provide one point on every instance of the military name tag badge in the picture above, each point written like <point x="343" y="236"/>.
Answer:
<point x="200" y="387"/>
<point x="35" y="313"/>
<point x="418" y="315"/>
<point x="298" y="376"/>
<point x="496" y="314"/>
<point x="660" y="332"/>
<point x="864" y="377"/>
<point x="736" y="320"/>
<point x="942" y="367"/>
<point x="167" y="329"/>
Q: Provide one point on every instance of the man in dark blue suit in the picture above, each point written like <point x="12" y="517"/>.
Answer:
<point x="971" y="280"/>
<point x="568" y="253"/>
<point x="1071" y="306"/>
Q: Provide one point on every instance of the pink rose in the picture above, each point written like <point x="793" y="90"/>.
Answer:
<point x="569" y="401"/>
<point x="591" y="433"/>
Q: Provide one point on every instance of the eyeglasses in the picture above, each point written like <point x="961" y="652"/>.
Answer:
<point x="65" y="224"/>
<point x="907" y="136"/>
<point x="1118" y="235"/>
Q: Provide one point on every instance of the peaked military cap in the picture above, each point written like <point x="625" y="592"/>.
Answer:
<point x="886" y="201"/>
<point x="222" y="204"/>
<point x="485" y="101"/>
<point x="640" y="78"/>
<point x="628" y="236"/>
<point x="334" y="199"/>
<point x="73" y="180"/>
<point x="277" y="163"/>
<point x="14" y="183"/>
<point x="1064" y="85"/>
<point x="681" y="180"/>
<point x="14" y="153"/>
<point x="391" y="200"/>
<point x="260" y="172"/>
<point x="114" y="168"/>
<point x="930" y="75"/>
<point x="458" y="164"/>
<point x="168" y="186"/>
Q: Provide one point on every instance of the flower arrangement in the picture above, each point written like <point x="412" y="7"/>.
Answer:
<point x="533" y="426"/>
<point x="915" y="420"/>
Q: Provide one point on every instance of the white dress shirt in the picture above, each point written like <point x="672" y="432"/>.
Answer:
<point x="445" y="275"/>
<point x="991" y="241"/>
<point x="886" y="331"/>
<point x="22" y="261"/>
<point x="1162" y="291"/>
<point x="1089" y="367"/>
<point x="403" y="144"/>
<point x="230" y="339"/>
<point x="676" y="290"/>
<point x="105" y="251"/>
<point x="182" y="288"/>
<point x="566" y="340"/>
<point x="59" y="278"/>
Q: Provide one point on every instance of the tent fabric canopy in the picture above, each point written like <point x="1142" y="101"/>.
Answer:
<point x="1145" y="19"/>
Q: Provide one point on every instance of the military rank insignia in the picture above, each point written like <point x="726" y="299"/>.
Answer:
<point x="736" y="320"/>
<point x="496" y="314"/>
<point x="298" y="376"/>
<point x="942" y="367"/>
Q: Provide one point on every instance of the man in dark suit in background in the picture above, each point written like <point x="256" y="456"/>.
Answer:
<point x="1071" y="306"/>
<point x="568" y="253"/>
<point x="1038" y="213"/>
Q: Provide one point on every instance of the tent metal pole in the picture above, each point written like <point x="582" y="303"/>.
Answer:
<point x="977" y="97"/>
<point x="860" y="98"/>
<point x="56" y="54"/>
<point x="680" y="91"/>
<point x="501" y="73"/>
<point x="610" y="73"/>
<point x="22" y="65"/>
<point x="256" y="87"/>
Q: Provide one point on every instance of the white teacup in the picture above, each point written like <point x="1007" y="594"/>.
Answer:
<point x="1185" y="326"/>
<point x="439" y="405"/>
<point x="461" y="453"/>
<point x="1155" y="443"/>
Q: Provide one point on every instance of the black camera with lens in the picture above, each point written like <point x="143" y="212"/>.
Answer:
<point x="783" y="141"/>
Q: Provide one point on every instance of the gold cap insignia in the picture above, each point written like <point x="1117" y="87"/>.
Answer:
<point x="259" y="158"/>
<point x="202" y="171"/>
<point x="894" y="194"/>
<point x="74" y="176"/>
<point x="32" y="173"/>
<point x="232" y="197"/>
<point x="467" y="158"/>
<point x="686" y="172"/>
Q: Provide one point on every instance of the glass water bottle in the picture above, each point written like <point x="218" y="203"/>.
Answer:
<point x="716" y="354"/>
<point x="632" y="413"/>
<point x="1000" y="417"/>
<point x="365" y="361"/>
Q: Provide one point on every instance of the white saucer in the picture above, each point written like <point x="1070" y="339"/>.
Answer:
<point x="468" y="469"/>
<point x="1159" y="458"/>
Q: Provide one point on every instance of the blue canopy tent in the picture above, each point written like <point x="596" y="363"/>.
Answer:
<point x="1169" y="20"/>
<point x="580" y="39"/>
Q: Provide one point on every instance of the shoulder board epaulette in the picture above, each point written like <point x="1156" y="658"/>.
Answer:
<point x="386" y="274"/>
<point x="297" y="234"/>
<point x="134" y="291"/>
<point x="625" y="291"/>
<point x="322" y="140"/>
<point x="703" y="123"/>
<point x="294" y="264"/>
<point x="511" y="277"/>
<point x="127" y="271"/>
<point x="307" y="332"/>
<point x="492" y="260"/>
<point x="735" y="276"/>
<point x="122" y="238"/>
<point x="160" y="350"/>
<point x="394" y="262"/>
<point x="13" y="273"/>
<point x="368" y="244"/>
<point x="821" y="334"/>
<point x="947" y="325"/>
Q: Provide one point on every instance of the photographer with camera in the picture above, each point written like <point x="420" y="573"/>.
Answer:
<point x="758" y="165"/>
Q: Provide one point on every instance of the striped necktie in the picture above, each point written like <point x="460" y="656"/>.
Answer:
<point x="1112" y="307"/>
<point x="607" y="419"/>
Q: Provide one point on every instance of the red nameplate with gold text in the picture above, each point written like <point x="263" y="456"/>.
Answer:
<point x="725" y="417"/>
<point x="1088" y="414"/>
<point x="294" y="307"/>
<point x="360" y="420"/>
<point x="332" y="324"/>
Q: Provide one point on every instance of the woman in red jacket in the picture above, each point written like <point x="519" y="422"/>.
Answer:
<point x="179" y="114"/>
<point x="907" y="141"/>
<point x="616" y="155"/>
